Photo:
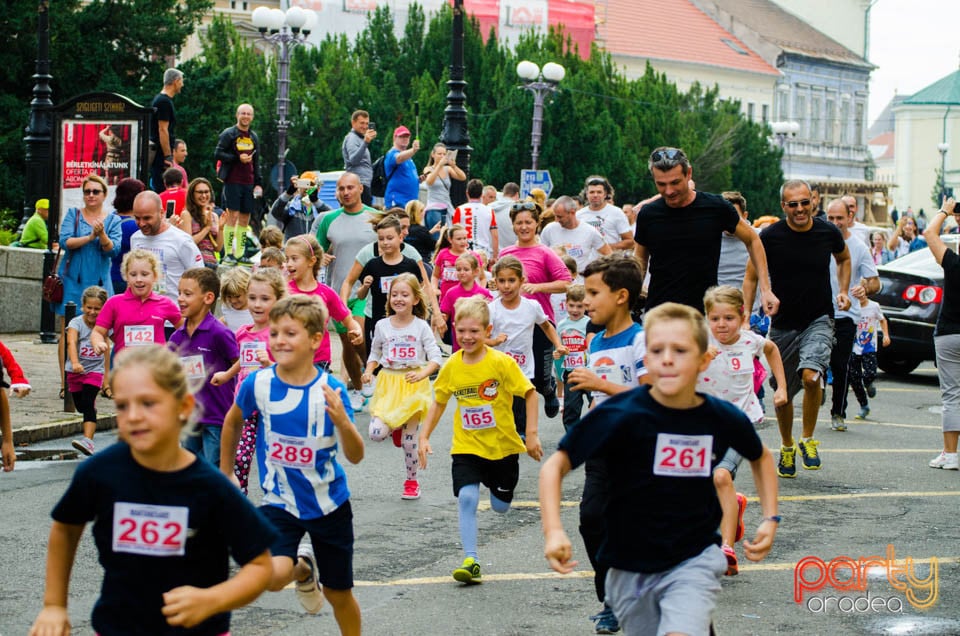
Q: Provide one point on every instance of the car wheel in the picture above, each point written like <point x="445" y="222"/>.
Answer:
<point x="898" y="365"/>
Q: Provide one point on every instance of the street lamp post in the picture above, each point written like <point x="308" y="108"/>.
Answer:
<point x="783" y="130"/>
<point x="455" y="135"/>
<point x="286" y="30"/>
<point x="541" y="84"/>
<point x="943" y="147"/>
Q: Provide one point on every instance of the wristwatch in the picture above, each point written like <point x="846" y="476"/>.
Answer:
<point x="773" y="518"/>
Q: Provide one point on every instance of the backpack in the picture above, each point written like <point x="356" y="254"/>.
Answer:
<point x="378" y="185"/>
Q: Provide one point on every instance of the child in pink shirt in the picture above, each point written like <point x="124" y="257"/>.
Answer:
<point x="451" y="246"/>
<point x="468" y="270"/>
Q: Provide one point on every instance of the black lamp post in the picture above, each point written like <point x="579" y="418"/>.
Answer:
<point x="455" y="135"/>
<point x="39" y="179"/>
<point x="541" y="84"/>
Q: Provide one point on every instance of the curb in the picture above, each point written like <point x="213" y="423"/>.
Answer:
<point x="56" y="430"/>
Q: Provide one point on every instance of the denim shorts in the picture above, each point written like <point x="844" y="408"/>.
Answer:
<point x="809" y="348"/>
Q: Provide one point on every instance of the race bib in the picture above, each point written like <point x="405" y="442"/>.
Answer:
<point x="159" y="531"/>
<point x="402" y="352"/>
<point x="89" y="353"/>
<point x="135" y="335"/>
<point x="476" y="418"/>
<point x="575" y="359"/>
<point x="193" y="367"/>
<point x="740" y="363"/>
<point x="248" y="354"/>
<point x="385" y="284"/>
<point x="292" y="452"/>
<point x="449" y="273"/>
<point x="609" y="373"/>
<point x="683" y="455"/>
<point x="519" y="356"/>
<point x="574" y="251"/>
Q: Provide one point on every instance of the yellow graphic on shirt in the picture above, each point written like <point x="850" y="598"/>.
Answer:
<point x="244" y="144"/>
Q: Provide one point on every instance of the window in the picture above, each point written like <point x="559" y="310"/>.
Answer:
<point x="845" y="122"/>
<point x="816" y="117"/>
<point x="783" y="105"/>
<point x="765" y="112"/>
<point x="800" y="113"/>
<point x="858" y="124"/>
<point x="830" y="120"/>
<point x="751" y="107"/>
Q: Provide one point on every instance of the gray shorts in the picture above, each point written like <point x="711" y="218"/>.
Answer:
<point x="807" y="349"/>
<point x="948" y="371"/>
<point x="682" y="599"/>
<point x="731" y="461"/>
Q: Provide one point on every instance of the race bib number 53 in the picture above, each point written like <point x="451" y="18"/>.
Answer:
<point x="683" y="455"/>
<point x="159" y="531"/>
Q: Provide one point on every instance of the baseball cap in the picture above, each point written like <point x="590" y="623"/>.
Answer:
<point x="401" y="131"/>
<point x="43" y="203"/>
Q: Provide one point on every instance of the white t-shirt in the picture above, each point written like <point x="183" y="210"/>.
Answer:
<point x="501" y="209"/>
<point x="861" y="266"/>
<point x="730" y="375"/>
<point x="610" y="221"/>
<point x="408" y="347"/>
<point x="176" y="252"/>
<point x="518" y="324"/>
<point x="618" y="359"/>
<point x="581" y="243"/>
<point x="480" y="223"/>
<point x="867" y="326"/>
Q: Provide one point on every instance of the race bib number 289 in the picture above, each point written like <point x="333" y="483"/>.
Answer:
<point x="683" y="455"/>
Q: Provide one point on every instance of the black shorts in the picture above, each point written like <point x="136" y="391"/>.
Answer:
<point x="331" y="536"/>
<point x="499" y="475"/>
<point x="238" y="197"/>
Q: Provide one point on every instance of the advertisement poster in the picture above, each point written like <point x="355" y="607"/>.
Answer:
<point x="106" y="148"/>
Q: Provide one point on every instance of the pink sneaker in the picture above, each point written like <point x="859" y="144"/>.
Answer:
<point x="741" y="507"/>
<point x="732" y="568"/>
<point x="411" y="489"/>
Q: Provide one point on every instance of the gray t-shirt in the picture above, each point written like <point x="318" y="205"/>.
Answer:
<point x="861" y="266"/>
<point x="90" y="361"/>
<point x="501" y="210"/>
<point x="176" y="252"/>
<point x="438" y="194"/>
<point x="581" y="243"/>
<point x="733" y="261"/>
<point x="356" y="157"/>
<point x="343" y="235"/>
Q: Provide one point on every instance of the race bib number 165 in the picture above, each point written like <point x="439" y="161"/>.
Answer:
<point x="683" y="455"/>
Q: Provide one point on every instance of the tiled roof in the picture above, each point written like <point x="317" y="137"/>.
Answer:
<point x="882" y="146"/>
<point x="783" y="29"/>
<point x="943" y="91"/>
<point x="674" y="30"/>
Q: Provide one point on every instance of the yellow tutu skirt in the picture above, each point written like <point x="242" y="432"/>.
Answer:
<point x="395" y="400"/>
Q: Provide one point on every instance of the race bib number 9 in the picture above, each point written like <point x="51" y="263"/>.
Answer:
<point x="135" y="335"/>
<point x="159" y="531"/>
<point x="476" y="418"/>
<point x="683" y="455"/>
<point x="292" y="452"/>
<point x="740" y="363"/>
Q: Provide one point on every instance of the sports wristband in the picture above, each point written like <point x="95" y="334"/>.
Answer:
<point x="773" y="518"/>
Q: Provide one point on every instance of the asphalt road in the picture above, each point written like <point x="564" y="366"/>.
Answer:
<point x="875" y="490"/>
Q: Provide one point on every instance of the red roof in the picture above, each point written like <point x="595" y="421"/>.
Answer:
<point x="882" y="146"/>
<point x="674" y="30"/>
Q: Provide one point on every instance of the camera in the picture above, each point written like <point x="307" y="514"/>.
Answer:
<point x="304" y="183"/>
<point x="372" y="126"/>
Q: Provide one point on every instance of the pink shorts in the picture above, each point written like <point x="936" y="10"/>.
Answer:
<point x="75" y="381"/>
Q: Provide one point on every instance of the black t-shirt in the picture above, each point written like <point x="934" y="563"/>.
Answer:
<point x="948" y="323"/>
<point x="799" y="265"/>
<point x="656" y="520"/>
<point x="220" y="522"/>
<point x="420" y="238"/>
<point x="382" y="275"/>
<point x="164" y="112"/>
<point x="684" y="247"/>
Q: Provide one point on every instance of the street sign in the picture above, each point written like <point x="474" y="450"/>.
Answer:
<point x="530" y="179"/>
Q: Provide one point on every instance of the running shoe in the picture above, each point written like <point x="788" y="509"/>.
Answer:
<point x="469" y="572"/>
<point x="787" y="465"/>
<point x="864" y="412"/>
<point x="551" y="405"/>
<point x="732" y="568"/>
<point x="251" y="246"/>
<point x="367" y="390"/>
<point x="945" y="461"/>
<point x="605" y="622"/>
<point x="308" y="592"/>
<point x="741" y="508"/>
<point x="229" y="260"/>
<point x="356" y="400"/>
<point x="411" y="489"/>
<point x="84" y="445"/>
<point x="837" y="423"/>
<point x="809" y="454"/>
<point x="871" y="390"/>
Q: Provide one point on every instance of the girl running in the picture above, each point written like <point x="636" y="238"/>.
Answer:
<point x="468" y="272"/>
<point x="451" y="246"/>
<point x="85" y="367"/>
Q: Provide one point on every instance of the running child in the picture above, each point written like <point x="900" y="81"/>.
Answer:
<point x="205" y="346"/>
<point x="657" y="442"/>
<point x="513" y="318"/>
<point x="406" y="349"/>
<point x="266" y="287"/>
<point x="486" y="447"/>
<point x="468" y="274"/>
<point x="452" y="245"/>
<point x="272" y="257"/>
<point x="863" y="360"/>
<point x="165" y="523"/>
<point x="302" y="413"/>
<point x="233" y="295"/>
<point x="85" y="367"/>
<point x="135" y="317"/>
<point x="573" y="334"/>
<point x="559" y="303"/>
<point x="730" y="378"/>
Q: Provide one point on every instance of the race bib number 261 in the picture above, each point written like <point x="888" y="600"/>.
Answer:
<point x="683" y="455"/>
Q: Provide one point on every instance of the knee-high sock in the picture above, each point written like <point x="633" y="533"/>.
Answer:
<point x="499" y="505"/>
<point x="467" y="502"/>
<point x="409" y="443"/>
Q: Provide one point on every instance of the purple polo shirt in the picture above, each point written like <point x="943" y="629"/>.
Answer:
<point x="212" y="348"/>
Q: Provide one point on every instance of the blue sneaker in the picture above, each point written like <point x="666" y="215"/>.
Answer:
<point x="605" y="622"/>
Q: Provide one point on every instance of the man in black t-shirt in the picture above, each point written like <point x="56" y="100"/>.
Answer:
<point x="238" y="167"/>
<point x="799" y="249"/>
<point x="679" y="235"/>
<point x="163" y="127"/>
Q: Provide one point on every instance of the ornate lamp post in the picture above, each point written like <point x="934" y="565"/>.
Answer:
<point x="285" y="30"/>
<point x="783" y="130"/>
<point x="541" y="84"/>
<point x="455" y="135"/>
<point x="943" y="147"/>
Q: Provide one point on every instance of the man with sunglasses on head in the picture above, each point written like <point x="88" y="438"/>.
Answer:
<point x="799" y="250"/>
<point x="679" y="234"/>
<point x="605" y="217"/>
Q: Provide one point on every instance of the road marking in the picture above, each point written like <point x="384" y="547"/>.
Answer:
<point x="901" y="390"/>
<point x="856" y="422"/>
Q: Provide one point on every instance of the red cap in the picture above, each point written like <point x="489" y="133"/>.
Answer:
<point x="401" y="131"/>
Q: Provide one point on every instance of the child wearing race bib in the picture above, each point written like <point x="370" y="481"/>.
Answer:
<point x="513" y="318"/>
<point x="165" y="523"/>
<point x="265" y="288"/>
<point x="302" y="413"/>
<point x="730" y="377"/>
<point x="206" y="346"/>
<point x="233" y="298"/>
<point x="136" y="317"/>
<point x="863" y="360"/>
<point x="486" y="447"/>
<point x="573" y="334"/>
<point x="559" y="304"/>
<point x="405" y="347"/>
<point x="85" y="367"/>
<point x="657" y="443"/>
<point x="468" y="273"/>
<point x="452" y="245"/>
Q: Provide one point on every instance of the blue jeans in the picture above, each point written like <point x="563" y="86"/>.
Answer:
<point x="205" y="443"/>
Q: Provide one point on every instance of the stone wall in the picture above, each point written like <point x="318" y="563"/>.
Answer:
<point x="21" y="271"/>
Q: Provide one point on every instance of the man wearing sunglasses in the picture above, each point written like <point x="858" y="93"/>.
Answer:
<point x="605" y="217"/>
<point x="799" y="250"/>
<point x="679" y="234"/>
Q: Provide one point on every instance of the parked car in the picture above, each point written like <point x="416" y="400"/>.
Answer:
<point x="911" y="295"/>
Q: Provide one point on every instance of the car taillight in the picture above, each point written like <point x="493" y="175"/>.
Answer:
<point x="924" y="294"/>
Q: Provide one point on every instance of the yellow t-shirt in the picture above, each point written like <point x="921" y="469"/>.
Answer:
<point x="483" y="422"/>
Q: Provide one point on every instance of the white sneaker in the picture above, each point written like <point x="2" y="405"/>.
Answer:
<point x="946" y="461"/>
<point x="84" y="445"/>
<point x="367" y="389"/>
<point x="308" y="592"/>
<point x="356" y="400"/>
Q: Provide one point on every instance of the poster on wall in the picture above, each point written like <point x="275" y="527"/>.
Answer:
<point x="106" y="148"/>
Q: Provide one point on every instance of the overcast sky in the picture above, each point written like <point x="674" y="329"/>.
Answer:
<point x="914" y="43"/>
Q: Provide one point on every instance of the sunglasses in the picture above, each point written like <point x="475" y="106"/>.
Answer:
<point x="523" y="205"/>
<point x="92" y="192"/>
<point x="667" y="154"/>
<point x="801" y="203"/>
<point x="596" y="182"/>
